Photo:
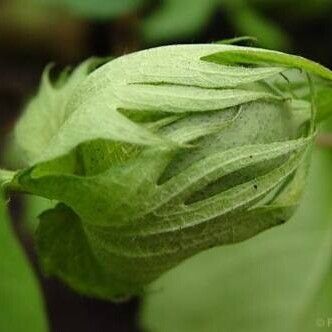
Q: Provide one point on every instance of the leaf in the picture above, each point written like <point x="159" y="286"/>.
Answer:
<point x="259" y="56"/>
<point x="236" y="40"/>
<point x="21" y="303"/>
<point x="247" y="19"/>
<point x="271" y="283"/>
<point x="47" y="111"/>
<point x="95" y="9"/>
<point x="307" y="9"/>
<point x="64" y="251"/>
<point x="171" y="20"/>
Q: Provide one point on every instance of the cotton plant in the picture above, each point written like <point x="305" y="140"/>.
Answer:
<point x="155" y="156"/>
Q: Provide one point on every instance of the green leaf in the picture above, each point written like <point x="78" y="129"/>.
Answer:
<point x="237" y="40"/>
<point x="47" y="111"/>
<point x="64" y="251"/>
<point x="21" y="303"/>
<point x="278" y="281"/>
<point x="247" y="19"/>
<point x="307" y="9"/>
<point x="171" y="20"/>
<point x="95" y="9"/>
<point x="254" y="56"/>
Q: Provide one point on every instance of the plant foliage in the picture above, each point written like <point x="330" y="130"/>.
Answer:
<point x="20" y="301"/>
<point x="160" y="154"/>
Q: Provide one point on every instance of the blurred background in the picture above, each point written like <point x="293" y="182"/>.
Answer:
<point x="34" y="33"/>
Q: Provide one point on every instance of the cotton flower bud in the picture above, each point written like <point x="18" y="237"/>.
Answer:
<point x="160" y="154"/>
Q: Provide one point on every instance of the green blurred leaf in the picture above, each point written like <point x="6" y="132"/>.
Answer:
<point x="96" y="9"/>
<point x="247" y="19"/>
<point x="308" y="8"/>
<point x="279" y="281"/>
<point x="176" y="19"/>
<point x="21" y="305"/>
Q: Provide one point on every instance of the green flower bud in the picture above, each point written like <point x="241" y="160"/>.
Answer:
<point x="160" y="154"/>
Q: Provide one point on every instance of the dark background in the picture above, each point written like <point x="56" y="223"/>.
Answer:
<point x="68" y="39"/>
